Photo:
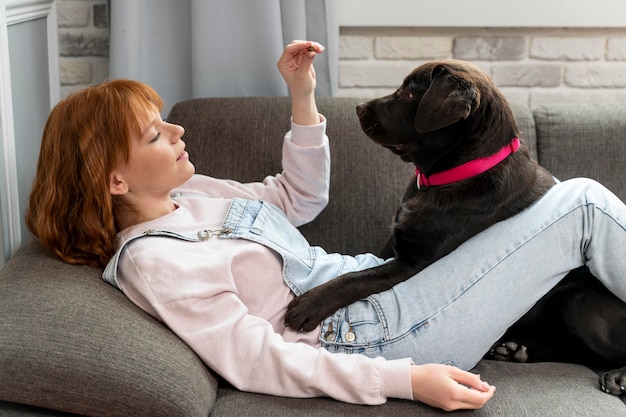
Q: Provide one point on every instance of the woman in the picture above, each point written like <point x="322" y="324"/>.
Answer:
<point x="219" y="261"/>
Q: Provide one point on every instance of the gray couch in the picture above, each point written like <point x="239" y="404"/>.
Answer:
<point x="71" y="344"/>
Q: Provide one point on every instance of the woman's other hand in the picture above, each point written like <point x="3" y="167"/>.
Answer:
<point x="448" y="387"/>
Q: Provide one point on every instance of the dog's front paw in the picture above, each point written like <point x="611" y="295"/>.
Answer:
<point x="306" y="311"/>
<point x="509" y="352"/>
<point x="614" y="382"/>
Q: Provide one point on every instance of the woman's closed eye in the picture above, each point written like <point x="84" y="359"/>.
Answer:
<point x="154" y="139"/>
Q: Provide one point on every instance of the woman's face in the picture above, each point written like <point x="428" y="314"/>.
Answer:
<point x="158" y="161"/>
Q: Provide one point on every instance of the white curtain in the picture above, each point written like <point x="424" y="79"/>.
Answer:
<point x="218" y="48"/>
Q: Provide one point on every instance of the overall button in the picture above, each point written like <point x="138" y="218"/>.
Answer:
<point x="350" y="336"/>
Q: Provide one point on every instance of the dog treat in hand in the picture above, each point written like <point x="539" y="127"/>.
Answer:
<point x="311" y="48"/>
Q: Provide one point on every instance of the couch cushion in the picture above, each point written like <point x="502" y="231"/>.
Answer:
<point x="365" y="178"/>
<point x="542" y="389"/>
<point x="70" y="342"/>
<point x="587" y="140"/>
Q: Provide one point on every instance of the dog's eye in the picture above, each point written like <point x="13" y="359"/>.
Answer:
<point x="406" y="95"/>
<point x="403" y="95"/>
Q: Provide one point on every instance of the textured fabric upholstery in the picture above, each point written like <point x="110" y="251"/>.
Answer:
<point x="584" y="140"/>
<point x="71" y="342"/>
<point x="538" y="390"/>
<point x="526" y="126"/>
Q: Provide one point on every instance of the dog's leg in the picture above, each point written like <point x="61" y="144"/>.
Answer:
<point x="309" y="309"/>
<point x="514" y="349"/>
<point x="509" y="352"/>
<point x="598" y="319"/>
<point x="584" y="319"/>
<point x="614" y="382"/>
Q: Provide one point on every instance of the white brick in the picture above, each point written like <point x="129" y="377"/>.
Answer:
<point x="355" y="47"/>
<point x="516" y="95"/>
<point x="596" y="75"/>
<point x="413" y="47"/>
<point x="616" y="49"/>
<point x="374" y="73"/>
<point x="489" y="48"/>
<point x="485" y="66"/>
<point x="73" y="13"/>
<point x="567" y="49"/>
<point x="527" y="75"/>
<point x="75" y="72"/>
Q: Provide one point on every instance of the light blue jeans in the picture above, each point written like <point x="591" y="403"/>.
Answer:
<point x="454" y="310"/>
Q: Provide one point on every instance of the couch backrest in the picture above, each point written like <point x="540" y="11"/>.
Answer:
<point x="526" y="127"/>
<point x="241" y="138"/>
<point x="587" y="140"/>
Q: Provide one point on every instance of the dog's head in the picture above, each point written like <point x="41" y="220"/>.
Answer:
<point x="445" y="113"/>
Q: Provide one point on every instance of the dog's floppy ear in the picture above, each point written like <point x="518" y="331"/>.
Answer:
<point x="449" y="98"/>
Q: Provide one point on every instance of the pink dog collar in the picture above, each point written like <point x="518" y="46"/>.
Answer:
<point x="468" y="169"/>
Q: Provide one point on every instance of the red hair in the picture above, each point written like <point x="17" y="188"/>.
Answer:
<point x="71" y="210"/>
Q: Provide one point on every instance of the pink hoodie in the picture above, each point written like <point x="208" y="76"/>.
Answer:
<point x="226" y="297"/>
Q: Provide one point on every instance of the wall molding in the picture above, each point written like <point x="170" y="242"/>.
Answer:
<point x="9" y="198"/>
<point x="18" y="12"/>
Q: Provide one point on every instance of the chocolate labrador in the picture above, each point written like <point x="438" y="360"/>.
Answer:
<point x="472" y="170"/>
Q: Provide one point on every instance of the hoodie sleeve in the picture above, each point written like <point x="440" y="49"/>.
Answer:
<point x="300" y="190"/>
<point x="207" y="314"/>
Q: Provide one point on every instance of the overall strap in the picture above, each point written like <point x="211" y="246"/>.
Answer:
<point x="110" y="272"/>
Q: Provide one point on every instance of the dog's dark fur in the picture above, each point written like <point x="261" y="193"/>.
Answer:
<point x="447" y="113"/>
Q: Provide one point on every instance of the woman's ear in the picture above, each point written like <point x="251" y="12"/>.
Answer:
<point x="117" y="184"/>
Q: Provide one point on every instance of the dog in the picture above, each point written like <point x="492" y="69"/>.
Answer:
<point x="450" y="121"/>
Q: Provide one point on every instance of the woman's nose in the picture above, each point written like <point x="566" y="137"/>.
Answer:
<point x="177" y="132"/>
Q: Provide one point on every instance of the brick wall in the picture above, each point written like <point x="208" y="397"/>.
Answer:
<point x="83" y="43"/>
<point x="531" y="66"/>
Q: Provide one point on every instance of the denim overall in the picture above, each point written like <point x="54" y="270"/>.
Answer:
<point x="361" y="327"/>
<point x="452" y="311"/>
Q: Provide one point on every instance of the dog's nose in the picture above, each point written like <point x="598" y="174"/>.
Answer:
<point x="361" y="109"/>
